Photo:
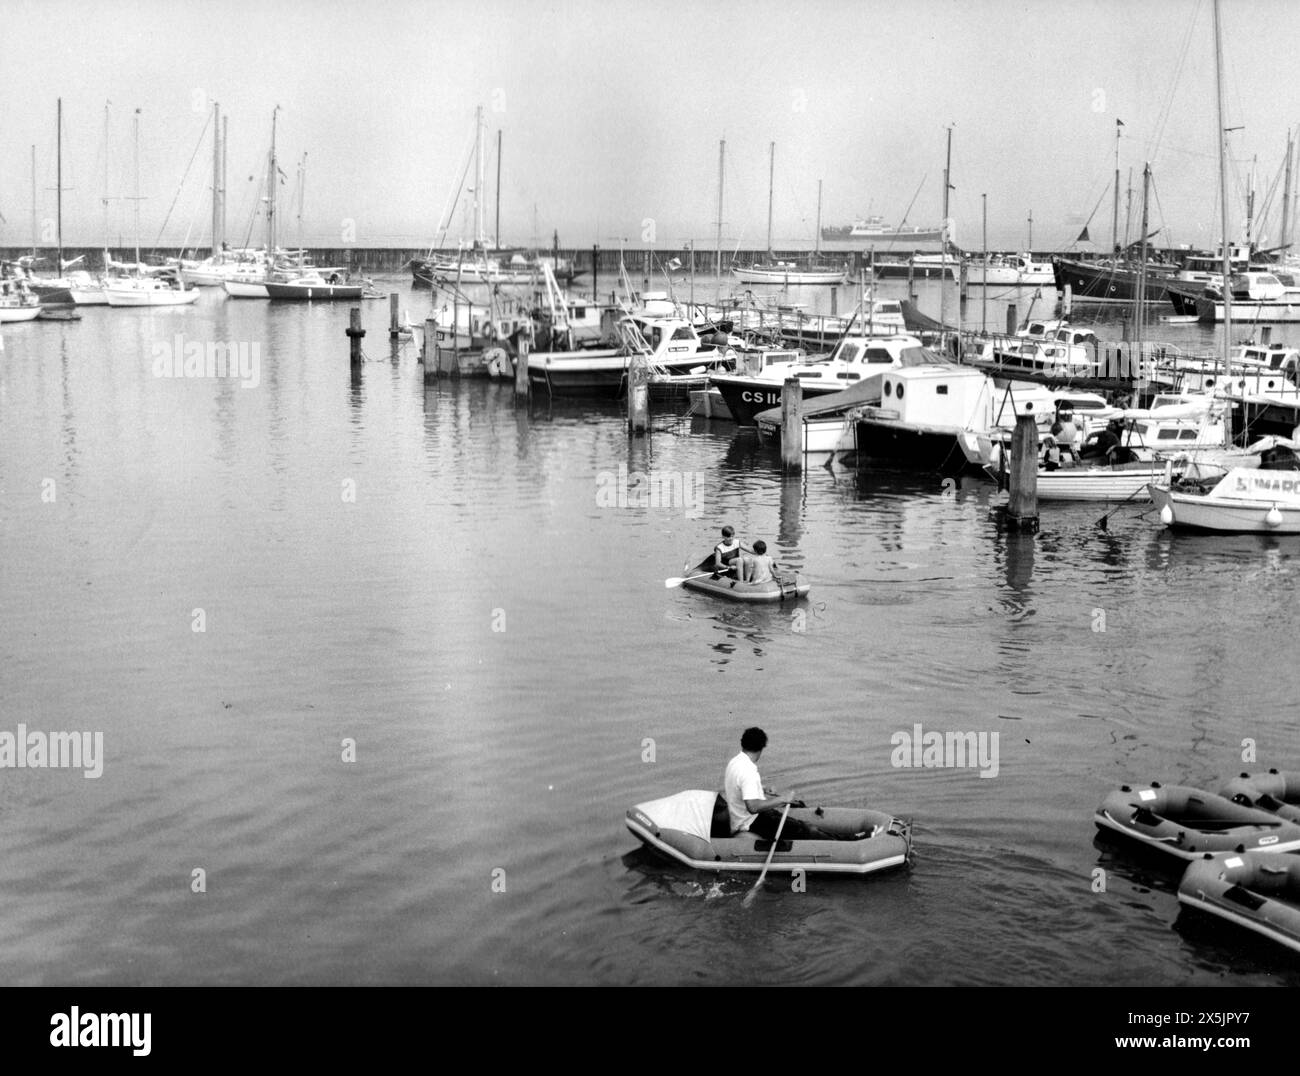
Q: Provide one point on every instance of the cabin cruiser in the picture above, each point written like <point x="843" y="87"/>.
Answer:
<point x="854" y="360"/>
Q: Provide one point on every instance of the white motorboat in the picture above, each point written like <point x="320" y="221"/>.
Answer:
<point x="1263" y="498"/>
<point x="854" y="360"/>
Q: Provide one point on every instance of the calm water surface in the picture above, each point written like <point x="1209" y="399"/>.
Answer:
<point x="426" y="573"/>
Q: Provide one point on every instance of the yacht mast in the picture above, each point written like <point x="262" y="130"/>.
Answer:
<point x="771" y="176"/>
<point x="817" y="235"/>
<point x="1286" y="194"/>
<point x="722" y="156"/>
<point x="943" y="246"/>
<point x="137" y="187"/>
<point x="272" y="180"/>
<point x="496" y="234"/>
<point x="58" y="265"/>
<point x="1114" y="224"/>
<point x="1226" y="343"/>
<point x="478" y="173"/>
<point x="105" y="198"/>
<point x="216" y="180"/>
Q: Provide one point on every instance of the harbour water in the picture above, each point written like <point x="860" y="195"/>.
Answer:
<point x="384" y="666"/>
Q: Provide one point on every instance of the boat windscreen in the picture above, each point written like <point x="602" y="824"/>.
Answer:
<point x="922" y="356"/>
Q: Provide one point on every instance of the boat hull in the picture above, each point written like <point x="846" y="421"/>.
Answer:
<point x="10" y="314"/>
<point x="1256" y="891"/>
<point x="1223" y="515"/>
<point x="759" y="275"/>
<point x="1099" y="282"/>
<point x="150" y="297"/>
<point x="745" y="397"/>
<point x="886" y="843"/>
<point x="789" y="586"/>
<point x="245" y="289"/>
<point x="321" y="293"/>
<point x="1187" y="823"/>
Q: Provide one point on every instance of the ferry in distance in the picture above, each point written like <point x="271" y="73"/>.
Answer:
<point x="875" y="228"/>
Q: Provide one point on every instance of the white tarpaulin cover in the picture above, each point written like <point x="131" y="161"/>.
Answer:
<point x="691" y="812"/>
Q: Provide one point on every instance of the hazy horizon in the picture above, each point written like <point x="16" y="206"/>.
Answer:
<point x="610" y="118"/>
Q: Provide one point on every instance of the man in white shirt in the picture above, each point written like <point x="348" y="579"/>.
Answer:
<point x="752" y="807"/>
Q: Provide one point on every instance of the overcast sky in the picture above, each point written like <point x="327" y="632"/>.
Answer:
<point x="611" y="114"/>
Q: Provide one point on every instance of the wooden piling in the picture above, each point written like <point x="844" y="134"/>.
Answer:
<point x="521" y="368"/>
<point x="792" y="424"/>
<point x="638" y="395"/>
<point x="429" y="353"/>
<point x="911" y="279"/>
<point x="1013" y="322"/>
<point x="1067" y="301"/>
<point x="393" y="328"/>
<point x="595" y="267"/>
<point x="354" y="334"/>
<point x="1022" y="508"/>
<point x="834" y="299"/>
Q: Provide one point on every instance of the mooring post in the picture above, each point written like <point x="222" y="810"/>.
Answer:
<point x="429" y="353"/>
<point x="521" y="368"/>
<point x="1067" y="301"/>
<point x="1022" y="508"/>
<point x="964" y="282"/>
<point x="595" y="267"/>
<point x="834" y="300"/>
<point x="1012" y="321"/>
<point x="792" y="424"/>
<point x="354" y="333"/>
<point x="911" y="279"/>
<point x="393" y="331"/>
<point x="638" y="395"/>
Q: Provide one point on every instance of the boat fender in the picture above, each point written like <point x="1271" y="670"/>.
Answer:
<point x="498" y="363"/>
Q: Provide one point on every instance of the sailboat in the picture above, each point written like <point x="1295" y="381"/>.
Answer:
<point x="473" y="263"/>
<point x="1249" y="499"/>
<point x="143" y="289"/>
<point x="783" y="272"/>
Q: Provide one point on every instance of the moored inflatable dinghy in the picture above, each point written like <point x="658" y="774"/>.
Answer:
<point x="1277" y="793"/>
<point x="1252" y="889"/>
<point x="693" y="828"/>
<point x="785" y="586"/>
<point x="1187" y="822"/>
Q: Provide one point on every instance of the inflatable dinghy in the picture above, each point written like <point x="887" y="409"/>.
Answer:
<point x="1256" y="891"/>
<point x="693" y="827"/>
<point x="785" y="586"/>
<point x="1187" y="822"/>
<point x="1277" y="793"/>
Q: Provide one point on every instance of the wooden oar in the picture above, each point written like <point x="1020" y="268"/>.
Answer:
<point x="749" y="897"/>
<point x="677" y="580"/>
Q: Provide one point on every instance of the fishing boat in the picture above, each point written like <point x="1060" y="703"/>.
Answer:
<point x="786" y="586"/>
<point x="1276" y="792"/>
<point x="854" y="360"/>
<point x="694" y="829"/>
<point x="1257" y="891"/>
<point x="1187" y="822"/>
<point x="875" y="229"/>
